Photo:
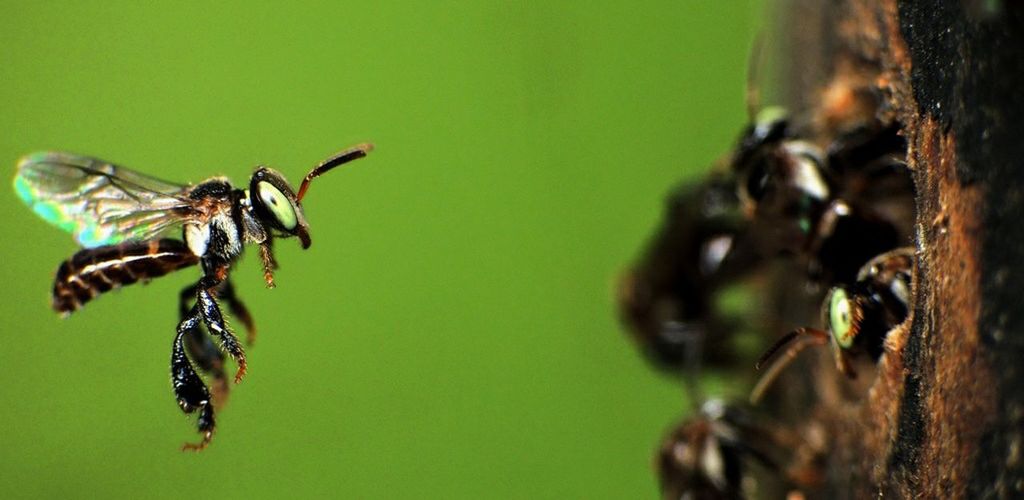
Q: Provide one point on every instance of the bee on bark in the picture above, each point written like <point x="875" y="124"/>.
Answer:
<point x="726" y="451"/>
<point x="820" y="203"/>
<point x="835" y="208"/>
<point x="666" y="299"/>
<point x="856" y="318"/>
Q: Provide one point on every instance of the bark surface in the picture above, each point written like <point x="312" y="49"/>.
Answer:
<point x="944" y="415"/>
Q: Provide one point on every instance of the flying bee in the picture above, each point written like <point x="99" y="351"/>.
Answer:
<point x="857" y="318"/>
<point x="123" y="220"/>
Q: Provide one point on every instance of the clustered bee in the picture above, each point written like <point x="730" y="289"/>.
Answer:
<point x="123" y="220"/>
<point x="711" y="454"/>
<point x="857" y="317"/>
<point x="841" y="206"/>
<point x="666" y="298"/>
<point x="703" y="456"/>
<point x="780" y="196"/>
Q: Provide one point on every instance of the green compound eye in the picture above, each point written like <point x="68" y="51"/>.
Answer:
<point x="278" y="204"/>
<point x="840" y="318"/>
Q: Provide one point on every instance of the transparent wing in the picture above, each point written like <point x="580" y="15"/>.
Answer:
<point x="100" y="203"/>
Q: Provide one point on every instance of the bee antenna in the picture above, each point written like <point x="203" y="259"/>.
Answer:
<point x="753" y="70"/>
<point x="354" y="153"/>
<point x="794" y="342"/>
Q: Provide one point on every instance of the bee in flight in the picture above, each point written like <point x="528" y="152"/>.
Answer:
<point x="123" y="221"/>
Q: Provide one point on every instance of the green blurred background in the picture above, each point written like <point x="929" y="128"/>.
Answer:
<point x="451" y="332"/>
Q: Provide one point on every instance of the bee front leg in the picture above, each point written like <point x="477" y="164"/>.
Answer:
<point x="191" y="393"/>
<point x="214" y="320"/>
<point x="269" y="263"/>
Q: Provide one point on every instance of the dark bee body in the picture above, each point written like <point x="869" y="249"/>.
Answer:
<point x="666" y="298"/>
<point x="726" y="451"/>
<point x="820" y="204"/>
<point x="701" y="458"/>
<point x="93" y="271"/>
<point x="121" y="216"/>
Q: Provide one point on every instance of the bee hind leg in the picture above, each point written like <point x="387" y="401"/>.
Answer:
<point x="190" y="391"/>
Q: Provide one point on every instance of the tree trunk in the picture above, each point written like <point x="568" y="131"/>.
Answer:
<point x="944" y="417"/>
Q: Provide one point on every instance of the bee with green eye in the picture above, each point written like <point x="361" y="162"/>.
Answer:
<point x="125" y="222"/>
<point x="857" y="318"/>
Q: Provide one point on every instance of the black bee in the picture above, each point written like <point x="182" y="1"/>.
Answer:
<point x="702" y="457"/>
<point x="820" y="204"/>
<point x="712" y="455"/>
<point x="666" y="298"/>
<point x="835" y="208"/>
<point x="123" y="218"/>
<point x="856" y="317"/>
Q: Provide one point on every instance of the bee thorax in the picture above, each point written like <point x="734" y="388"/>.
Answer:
<point x="224" y="236"/>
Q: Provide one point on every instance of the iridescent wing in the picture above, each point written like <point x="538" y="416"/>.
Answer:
<point x="100" y="203"/>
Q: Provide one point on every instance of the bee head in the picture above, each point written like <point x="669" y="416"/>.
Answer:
<point x="276" y="204"/>
<point x="280" y="207"/>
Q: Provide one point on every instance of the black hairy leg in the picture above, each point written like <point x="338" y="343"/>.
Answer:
<point x="213" y="318"/>
<point x="203" y="351"/>
<point x="192" y="394"/>
<point x="189" y="389"/>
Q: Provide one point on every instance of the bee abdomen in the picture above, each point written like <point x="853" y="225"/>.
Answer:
<point x="92" y="271"/>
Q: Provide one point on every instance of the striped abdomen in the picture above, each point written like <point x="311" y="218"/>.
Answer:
<point x="93" y="271"/>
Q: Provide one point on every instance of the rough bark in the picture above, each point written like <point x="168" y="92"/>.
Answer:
<point x="944" y="415"/>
